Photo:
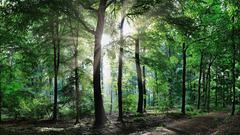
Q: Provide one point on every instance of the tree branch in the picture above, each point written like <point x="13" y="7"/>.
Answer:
<point x="87" y="7"/>
<point x="87" y="28"/>
<point x="200" y="39"/>
<point x="109" y="3"/>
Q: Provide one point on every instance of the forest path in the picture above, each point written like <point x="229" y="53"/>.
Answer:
<point x="147" y="124"/>
<point x="200" y="125"/>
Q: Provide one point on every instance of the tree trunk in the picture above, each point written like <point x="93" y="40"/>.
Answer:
<point x="209" y="87"/>
<point x="184" y="50"/>
<point x="139" y="76"/>
<point x="223" y="94"/>
<point x="204" y="86"/>
<point x="120" y="111"/>
<point x="120" y="60"/>
<point x="170" y="80"/>
<point x="144" y="89"/>
<point x="156" y="90"/>
<point x="190" y="87"/>
<point x="199" y="81"/>
<point x="233" y="69"/>
<point x="77" y="90"/>
<point x="1" y="99"/>
<point x="216" y="91"/>
<point x="56" y="44"/>
<point x="100" y="117"/>
<point x="111" y="101"/>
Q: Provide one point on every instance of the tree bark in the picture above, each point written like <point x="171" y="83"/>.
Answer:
<point x="233" y="68"/>
<point x="209" y="87"/>
<point x="170" y="80"/>
<point x="144" y="89"/>
<point x="120" y="61"/>
<point x="77" y="90"/>
<point x="184" y="50"/>
<point x="212" y="59"/>
<point x="190" y="87"/>
<point x="199" y="81"/>
<point x="204" y="85"/>
<point x="111" y="101"/>
<point x="156" y="90"/>
<point x="100" y="118"/>
<point x="56" y="47"/>
<point x="139" y="76"/>
<point x="1" y="97"/>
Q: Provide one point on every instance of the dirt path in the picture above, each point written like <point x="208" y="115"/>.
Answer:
<point x="201" y="125"/>
<point x="147" y="124"/>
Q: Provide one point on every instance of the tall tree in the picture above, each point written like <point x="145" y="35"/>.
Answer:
<point x="233" y="68"/>
<point x="144" y="88"/>
<point x="1" y="95"/>
<point x="56" y="48"/>
<point x="100" y="117"/>
<point x="120" y="60"/>
<point x="184" y="51"/>
<point x="75" y="34"/>
<point x="139" y="76"/>
<point x="199" y="80"/>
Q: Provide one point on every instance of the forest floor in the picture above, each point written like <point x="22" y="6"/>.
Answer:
<point x="217" y="123"/>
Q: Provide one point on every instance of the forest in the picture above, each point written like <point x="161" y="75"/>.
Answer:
<point x="118" y="67"/>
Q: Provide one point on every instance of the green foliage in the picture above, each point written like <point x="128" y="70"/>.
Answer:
<point x="207" y="27"/>
<point x="129" y="103"/>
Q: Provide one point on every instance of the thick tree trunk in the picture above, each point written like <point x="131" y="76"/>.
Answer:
<point x="233" y="69"/>
<point x="100" y="117"/>
<point x="184" y="50"/>
<point x="120" y="60"/>
<point x="199" y="81"/>
<point x="139" y="76"/>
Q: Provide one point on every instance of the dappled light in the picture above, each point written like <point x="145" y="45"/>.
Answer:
<point x="119" y="67"/>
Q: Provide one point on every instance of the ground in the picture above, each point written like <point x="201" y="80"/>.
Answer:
<point x="217" y="123"/>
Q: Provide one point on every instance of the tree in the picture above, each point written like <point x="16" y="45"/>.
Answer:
<point x="56" y="48"/>
<point x="100" y="117"/>
<point x="233" y="68"/>
<point x="139" y="76"/>
<point x="144" y="88"/>
<point x="120" y="109"/>
<point x="75" y="33"/>
<point x="184" y="50"/>
<point x="199" y="80"/>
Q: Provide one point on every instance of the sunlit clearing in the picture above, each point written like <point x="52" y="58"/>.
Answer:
<point x="106" y="39"/>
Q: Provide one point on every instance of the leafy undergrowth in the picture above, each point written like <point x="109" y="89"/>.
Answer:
<point x="131" y="124"/>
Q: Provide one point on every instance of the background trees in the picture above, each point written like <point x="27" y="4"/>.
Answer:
<point x="52" y="55"/>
